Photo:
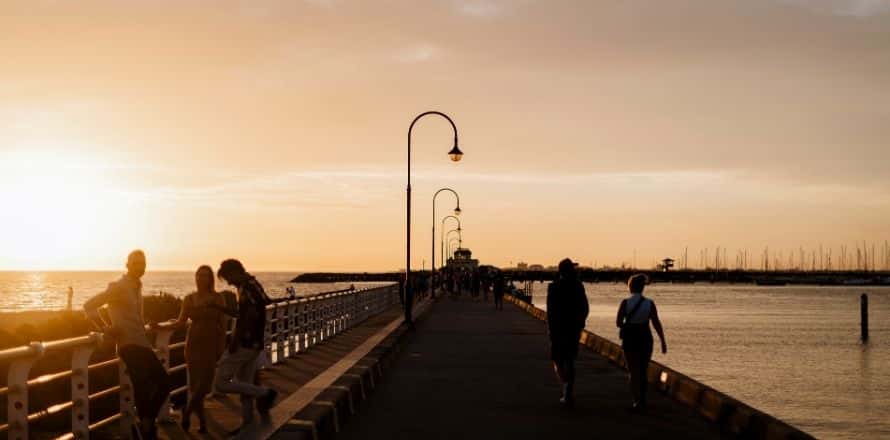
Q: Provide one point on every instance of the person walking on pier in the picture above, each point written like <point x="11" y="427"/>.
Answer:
<point x="149" y="378"/>
<point x="204" y="344"/>
<point x="498" y="290"/>
<point x="567" y="310"/>
<point x="237" y="368"/>
<point x="634" y="315"/>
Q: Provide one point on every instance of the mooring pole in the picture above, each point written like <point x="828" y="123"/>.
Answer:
<point x="863" y="316"/>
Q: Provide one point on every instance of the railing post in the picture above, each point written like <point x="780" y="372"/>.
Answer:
<point x="312" y="309"/>
<point x="80" y="387"/>
<point x="162" y="350"/>
<point x="341" y="313"/>
<point x="301" y="325"/>
<point x="329" y="317"/>
<point x="267" y="331"/>
<point x="281" y="316"/>
<point x="292" y="328"/>
<point x="17" y="398"/>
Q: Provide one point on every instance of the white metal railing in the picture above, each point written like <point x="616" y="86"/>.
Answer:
<point x="292" y="326"/>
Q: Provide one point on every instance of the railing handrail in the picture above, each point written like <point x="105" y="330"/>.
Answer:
<point x="293" y="326"/>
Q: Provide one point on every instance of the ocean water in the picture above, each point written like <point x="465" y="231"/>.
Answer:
<point x="793" y="351"/>
<point x="48" y="290"/>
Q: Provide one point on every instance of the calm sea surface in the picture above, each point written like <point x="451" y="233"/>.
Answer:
<point x="793" y="352"/>
<point x="48" y="290"/>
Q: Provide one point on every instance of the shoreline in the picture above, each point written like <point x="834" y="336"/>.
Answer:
<point x="12" y="320"/>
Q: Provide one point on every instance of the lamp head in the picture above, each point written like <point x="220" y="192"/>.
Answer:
<point x="455" y="154"/>
<point x="457" y="211"/>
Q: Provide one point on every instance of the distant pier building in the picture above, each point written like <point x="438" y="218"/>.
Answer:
<point x="463" y="259"/>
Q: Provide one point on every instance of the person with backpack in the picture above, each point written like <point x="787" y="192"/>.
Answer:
<point x="634" y="315"/>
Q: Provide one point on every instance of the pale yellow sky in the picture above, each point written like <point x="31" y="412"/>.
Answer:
<point x="275" y="131"/>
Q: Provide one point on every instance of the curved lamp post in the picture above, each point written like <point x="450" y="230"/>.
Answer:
<point x="460" y="237"/>
<point x="456" y="213"/>
<point x="442" y="236"/>
<point x="452" y="249"/>
<point x="455" y="154"/>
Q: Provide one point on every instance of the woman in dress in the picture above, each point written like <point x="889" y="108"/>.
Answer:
<point x="634" y="315"/>
<point x="204" y="344"/>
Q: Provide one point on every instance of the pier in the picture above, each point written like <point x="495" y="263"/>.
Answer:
<point x="347" y="368"/>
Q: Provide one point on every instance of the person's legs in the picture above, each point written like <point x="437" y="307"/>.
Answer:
<point x="632" y="358"/>
<point x="230" y="372"/>
<point x="246" y="374"/>
<point x="643" y="373"/>
<point x="197" y="406"/>
<point x="151" y="383"/>
<point x="569" y="380"/>
<point x="409" y="304"/>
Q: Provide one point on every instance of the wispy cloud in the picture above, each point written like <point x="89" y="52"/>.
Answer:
<point x="480" y="8"/>
<point x="419" y="53"/>
<point x="850" y="8"/>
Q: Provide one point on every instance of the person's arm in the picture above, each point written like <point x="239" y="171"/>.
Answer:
<point x="551" y="323"/>
<point x="92" y="306"/>
<point x="231" y="311"/>
<point x="185" y="313"/>
<point x="584" y="308"/>
<point x="619" y="320"/>
<point x="653" y="315"/>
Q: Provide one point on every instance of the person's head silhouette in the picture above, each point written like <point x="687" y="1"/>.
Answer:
<point x="637" y="283"/>
<point x="567" y="269"/>
<point x="136" y="264"/>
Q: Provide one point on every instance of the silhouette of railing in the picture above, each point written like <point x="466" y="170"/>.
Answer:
<point x="292" y="327"/>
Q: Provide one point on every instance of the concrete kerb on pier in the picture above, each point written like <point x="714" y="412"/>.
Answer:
<point x="731" y="415"/>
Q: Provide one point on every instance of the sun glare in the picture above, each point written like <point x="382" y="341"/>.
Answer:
<point x="58" y="207"/>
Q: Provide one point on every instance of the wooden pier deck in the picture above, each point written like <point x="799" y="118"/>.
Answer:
<point x="471" y="372"/>
<point x="291" y="378"/>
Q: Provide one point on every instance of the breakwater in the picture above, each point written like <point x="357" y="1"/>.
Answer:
<point x="769" y="278"/>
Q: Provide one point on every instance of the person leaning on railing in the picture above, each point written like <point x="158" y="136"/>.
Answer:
<point x="123" y="298"/>
<point x="204" y="343"/>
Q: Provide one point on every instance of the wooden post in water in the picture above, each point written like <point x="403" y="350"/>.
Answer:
<point x="863" y="316"/>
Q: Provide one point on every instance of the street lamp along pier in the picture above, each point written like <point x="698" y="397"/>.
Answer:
<point x="455" y="155"/>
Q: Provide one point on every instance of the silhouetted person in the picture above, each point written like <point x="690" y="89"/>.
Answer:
<point x="123" y="299"/>
<point x="402" y="289"/>
<point x="409" y="302"/>
<point x="498" y="290"/>
<point x="204" y="343"/>
<point x="567" y="310"/>
<point x="633" y="318"/>
<point x="70" y="298"/>
<point x="237" y="368"/>
<point x="476" y="284"/>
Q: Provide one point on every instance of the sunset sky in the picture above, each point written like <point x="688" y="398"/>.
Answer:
<point x="275" y="131"/>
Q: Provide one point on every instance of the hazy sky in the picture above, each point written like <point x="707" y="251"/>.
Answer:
<point x="275" y="131"/>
